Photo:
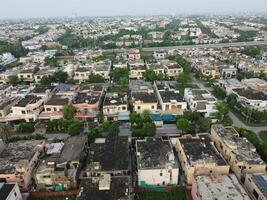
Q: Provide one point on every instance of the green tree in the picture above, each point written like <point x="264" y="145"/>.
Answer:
<point x="46" y="80"/>
<point x="52" y="62"/>
<point x="183" y="78"/>
<point x="204" y="124"/>
<point x="183" y="63"/>
<point x="232" y="100"/>
<point x="223" y="110"/>
<point x="124" y="81"/>
<point x="75" y="128"/>
<point x="150" y="75"/>
<point x="146" y="116"/>
<point x="219" y="92"/>
<point x="13" y="80"/>
<point x="68" y="112"/>
<point x="183" y="124"/>
<point x="60" y="76"/>
<point x="4" y="131"/>
<point x="95" y="79"/>
<point x="35" y="69"/>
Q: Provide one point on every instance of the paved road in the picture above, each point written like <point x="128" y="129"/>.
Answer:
<point x="200" y="84"/>
<point x="220" y="45"/>
<point x="238" y="123"/>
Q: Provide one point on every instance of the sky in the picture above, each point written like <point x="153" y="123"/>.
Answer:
<point x="58" y="8"/>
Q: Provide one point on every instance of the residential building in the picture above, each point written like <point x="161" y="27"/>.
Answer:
<point x="109" y="155"/>
<point x="218" y="187"/>
<point x="60" y="170"/>
<point x="238" y="151"/>
<point x="115" y="106"/>
<point x="227" y="71"/>
<point x="134" y="54"/>
<point x="256" y="185"/>
<point x="105" y="187"/>
<point x="251" y="98"/>
<point x="229" y="84"/>
<point x="170" y="100"/>
<point x="87" y="102"/>
<point x="9" y="191"/>
<point x="82" y="74"/>
<point x="160" y="54"/>
<point x="199" y="157"/>
<point x="201" y="101"/>
<point x="27" y="108"/>
<point x="156" y="163"/>
<point x="103" y="69"/>
<point x="137" y="72"/>
<point x="157" y="68"/>
<point x="6" y="105"/>
<point x="26" y="75"/>
<point x="173" y="70"/>
<point x="44" y="91"/>
<point x="144" y="101"/>
<point x="53" y="108"/>
<point x="18" y="160"/>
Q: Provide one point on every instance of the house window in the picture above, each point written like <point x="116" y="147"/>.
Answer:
<point x="123" y="108"/>
<point x="23" y="112"/>
<point x="160" y="174"/>
<point x="152" y="107"/>
<point x="138" y="107"/>
<point x="48" y="109"/>
<point x="256" y="195"/>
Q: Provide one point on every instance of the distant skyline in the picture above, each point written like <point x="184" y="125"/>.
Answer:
<point x="69" y="8"/>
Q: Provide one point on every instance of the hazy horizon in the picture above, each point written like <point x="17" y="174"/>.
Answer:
<point x="69" y="8"/>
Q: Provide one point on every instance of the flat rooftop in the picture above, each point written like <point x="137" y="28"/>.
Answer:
<point x="251" y="94"/>
<point x="169" y="96"/>
<point x="29" y="99"/>
<point x="155" y="153"/>
<point x="57" y="101"/>
<point x="115" y="99"/>
<point x="145" y="97"/>
<point x="15" y="153"/>
<point x="111" y="153"/>
<point x="40" y="89"/>
<point x="241" y="147"/>
<point x="72" y="150"/>
<point x="199" y="150"/>
<point x="140" y="86"/>
<point x="92" y="87"/>
<point x="220" y="187"/>
<point x="87" y="97"/>
<point x="118" y="189"/>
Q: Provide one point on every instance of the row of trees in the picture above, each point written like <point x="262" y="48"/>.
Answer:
<point x="142" y="124"/>
<point x="261" y="147"/>
<point x="121" y="76"/>
<point x="252" y="115"/>
<point x="15" y="48"/>
<point x="185" y="77"/>
<point x="193" y="122"/>
<point x="151" y="75"/>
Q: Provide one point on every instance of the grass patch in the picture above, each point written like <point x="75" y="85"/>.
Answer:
<point x="178" y="193"/>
